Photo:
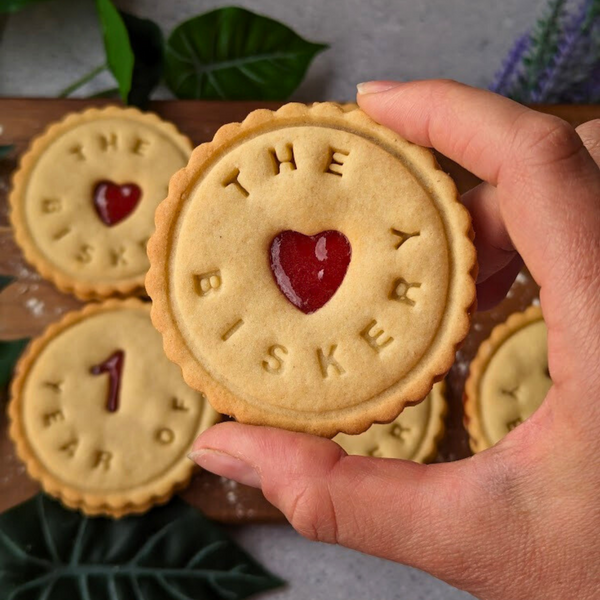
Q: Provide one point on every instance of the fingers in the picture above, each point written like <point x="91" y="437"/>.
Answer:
<point x="495" y="249"/>
<point x="495" y="287"/>
<point x="547" y="184"/>
<point x="418" y="515"/>
<point x="590" y="136"/>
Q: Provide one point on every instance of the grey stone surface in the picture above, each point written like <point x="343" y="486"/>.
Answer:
<point x="47" y="47"/>
<point x="323" y="572"/>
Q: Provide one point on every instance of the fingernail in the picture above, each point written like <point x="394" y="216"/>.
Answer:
<point x="221" y="463"/>
<point x="374" y="87"/>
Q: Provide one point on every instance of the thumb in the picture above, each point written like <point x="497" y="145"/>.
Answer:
<point x="425" y="516"/>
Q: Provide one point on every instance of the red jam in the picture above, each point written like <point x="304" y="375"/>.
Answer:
<point x="114" y="202"/>
<point x="309" y="269"/>
<point x="113" y="365"/>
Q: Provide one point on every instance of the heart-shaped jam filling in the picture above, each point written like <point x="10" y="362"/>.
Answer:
<point x="114" y="202"/>
<point x="309" y="269"/>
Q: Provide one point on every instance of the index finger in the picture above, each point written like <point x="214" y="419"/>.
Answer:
<point x="548" y="186"/>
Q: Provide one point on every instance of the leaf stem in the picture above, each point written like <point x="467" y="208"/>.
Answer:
<point x="81" y="82"/>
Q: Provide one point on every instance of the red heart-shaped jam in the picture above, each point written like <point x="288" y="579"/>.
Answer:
<point x="114" y="202"/>
<point x="309" y="269"/>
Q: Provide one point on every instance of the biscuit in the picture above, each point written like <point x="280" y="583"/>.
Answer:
<point x="312" y="270"/>
<point x="100" y="416"/>
<point x="84" y="196"/>
<point x="508" y="378"/>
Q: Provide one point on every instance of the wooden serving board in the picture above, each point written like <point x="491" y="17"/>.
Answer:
<point x="29" y="304"/>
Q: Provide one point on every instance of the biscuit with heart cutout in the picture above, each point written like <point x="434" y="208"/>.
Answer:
<point x="312" y="270"/>
<point x="84" y="196"/>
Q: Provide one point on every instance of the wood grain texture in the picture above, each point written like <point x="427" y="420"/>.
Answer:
<point x="29" y="304"/>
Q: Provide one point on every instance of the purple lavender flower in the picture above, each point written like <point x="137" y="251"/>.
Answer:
<point x="558" y="60"/>
<point x="574" y="60"/>
<point x="504" y="78"/>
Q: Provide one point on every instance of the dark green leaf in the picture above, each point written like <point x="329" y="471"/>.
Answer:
<point x="5" y="150"/>
<point x="5" y="281"/>
<point x="11" y="6"/>
<point x="172" y="552"/>
<point x="147" y="43"/>
<point x="234" y="54"/>
<point x="109" y="93"/>
<point x="9" y="354"/>
<point x="119" y="55"/>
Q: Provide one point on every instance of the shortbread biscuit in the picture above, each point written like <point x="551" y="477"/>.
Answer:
<point x="100" y="416"/>
<point x="312" y="270"/>
<point x="413" y="435"/>
<point x="508" y="379"/>
<point x="84" y="196"/>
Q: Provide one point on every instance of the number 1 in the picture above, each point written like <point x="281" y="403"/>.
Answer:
<point x="113" y="365"/>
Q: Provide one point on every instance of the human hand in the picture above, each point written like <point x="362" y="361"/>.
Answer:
<point x="521" y="520"/>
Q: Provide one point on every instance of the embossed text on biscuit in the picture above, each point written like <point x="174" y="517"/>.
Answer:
<point x="205" y="283"/>
<point x="53" y="417"/>
<point x="231" y="330"/>
<point x="374" y="336"/>
<point x="400" y="289"/>
<point x="233" y="179"/>
<point x="328" y="360"/>
<point x="403" y="236"/>
<point x="274" y="361"/>
<point x="51" y="205"/>
<point x="165" y="436"/>
<point x="283" y="159"/>
<point x="336" y="161"/>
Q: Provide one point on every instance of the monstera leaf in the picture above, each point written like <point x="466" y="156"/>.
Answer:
<point x="171" y="553"/>
<point x="11" y="6"/>
<point x="234" y="54"/>
<point x="5" y="150"/>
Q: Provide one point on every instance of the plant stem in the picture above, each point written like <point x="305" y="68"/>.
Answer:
<point x="81" y="82"/>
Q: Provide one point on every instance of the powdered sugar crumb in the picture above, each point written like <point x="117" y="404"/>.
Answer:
<point x="535" y="302"/>
<point x="35" y="306"/>
<point x="521" y="278"/>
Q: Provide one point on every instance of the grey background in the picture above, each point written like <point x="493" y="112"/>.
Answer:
<point x="47" y="47"/>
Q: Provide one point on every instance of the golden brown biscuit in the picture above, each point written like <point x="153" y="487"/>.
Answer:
<point x="100" y="416"/>
<point x="84" y="197"/>
<point x="312" y="270"/>
<point x="413" y="435"/>
<point x="508" y="379"/>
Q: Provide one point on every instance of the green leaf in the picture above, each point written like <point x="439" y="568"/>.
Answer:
<point x="119" y="54"/>
<point x="11" y="6"/>
<point x="5" y="151"/>
<point x="9" y="354"/>
<point x="147" y="44"/>
<point x="172" y="552"/>
<point x="5" y="281"/>
<point x="234" y="54"/>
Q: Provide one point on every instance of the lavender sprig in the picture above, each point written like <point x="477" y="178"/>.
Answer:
<point x="504" y="78"/>
<point x="558" y="60"/>
<point x="577" y="57"/>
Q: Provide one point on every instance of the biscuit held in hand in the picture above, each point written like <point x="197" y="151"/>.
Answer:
<point x="521" y="519"/>
<point x="312" y="270"/>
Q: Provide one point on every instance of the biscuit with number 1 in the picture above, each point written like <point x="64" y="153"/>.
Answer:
<point x="100" y="416"/>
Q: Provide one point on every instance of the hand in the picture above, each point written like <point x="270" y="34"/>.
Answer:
<point x="521" y="520"/>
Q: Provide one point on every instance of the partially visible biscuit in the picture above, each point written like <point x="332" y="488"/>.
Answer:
<point x="100" y="416"/>
<point x="413" y="435"/>
<point x="508" y="379"/>
<point x="84" y="196"/>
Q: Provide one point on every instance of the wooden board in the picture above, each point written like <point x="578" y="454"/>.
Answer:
<point x="29" y="304"/>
